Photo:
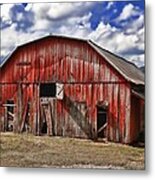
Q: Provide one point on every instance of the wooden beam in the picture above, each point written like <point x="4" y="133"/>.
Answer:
<point x="9" y="105"/>
<point x="11" y="114"/>
<point x="24" y="118"/>
<point x="102" y="128"/>
<point x="24" y="63"/>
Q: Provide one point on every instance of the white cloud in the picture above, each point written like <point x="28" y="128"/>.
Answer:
<point x="139" y="60"/>
<point x="135" y="25"/>
<point x="130" y="46"/>
<point x="74" y="20"/>
<point x="28" y="7"/>
<point x="19" y="16"/>
<point x="128" y="11"/>
<point x="12" y="38"/>
<point x="55" y="11"/>
<point x="44" y="23"/>
<point x="102" y="34"/>
<point x="5" y="13"/>
<point x="57" y="16"/>
<point x="110" y="4"/>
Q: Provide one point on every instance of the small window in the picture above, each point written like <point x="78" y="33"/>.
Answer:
<point x="48" y="90"/>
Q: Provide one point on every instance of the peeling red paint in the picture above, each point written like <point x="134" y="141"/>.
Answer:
<point x="88" y="80"/>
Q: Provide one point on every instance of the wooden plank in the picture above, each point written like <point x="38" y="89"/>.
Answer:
<point x="115" y="113"/>
<point x="55" y="118"/>
<point x="102" y="128"/>
<point x="9" y="105"/>
<point x="58" y="113"/>
<point x="109" y="92"/>
<point x="38" y="108"/>
<point x="2" y="122"/>
<point x="41" y="116"/>
<point x="11" y="114"/>
<point x="48" y="120"/>
<point x="24" y="117"/>
<point x="54" y="122"/>
<point x="61" y="117"/>
<point x="142" y="116"/>
<point x="5" y="119"/>
<point x="15" y="117"/>
<point x="34" y="128"/>
<point x="19" y="107"/>
<point x="122" y="94"/>
<point x="127" y="111"/>
<point x="118" y="114"/>
<point x="95" y="100"/>
<point x="69" y="118"/>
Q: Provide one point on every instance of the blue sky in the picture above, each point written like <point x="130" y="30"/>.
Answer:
<point x="116" y="26"/>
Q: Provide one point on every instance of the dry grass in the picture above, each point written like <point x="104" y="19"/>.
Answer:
<point x="33" y="151"/>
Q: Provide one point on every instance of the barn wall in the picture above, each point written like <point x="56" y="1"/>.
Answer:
<point x="87" y="78"/>
<point x="57" y="60"/>
<point x="75" y="115"/>
<point x="137" y="117"/>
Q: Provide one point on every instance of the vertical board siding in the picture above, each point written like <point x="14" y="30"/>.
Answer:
<point x="127" y="117"/>
<point x="122" y="112"/>
<point x="88" y="80"/>
<point x="137" y="118"/>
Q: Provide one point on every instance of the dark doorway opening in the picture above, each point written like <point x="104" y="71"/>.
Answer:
<point x="44" y="128"/>
<point x="10" y="106"/>
<point x="101" y="122"/>
<point x="48" y="90"/>
<point x="10" y="115"/>
<point x="47" y="94"/>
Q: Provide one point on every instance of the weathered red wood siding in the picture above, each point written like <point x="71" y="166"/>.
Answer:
<point x="137" y="117"/>
<point x="88" y="79"/>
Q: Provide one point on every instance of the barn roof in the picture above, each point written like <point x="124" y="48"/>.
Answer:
<point x="127" y="69"/>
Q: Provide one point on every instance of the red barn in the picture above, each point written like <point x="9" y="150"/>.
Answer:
<point x="63" y="86"/>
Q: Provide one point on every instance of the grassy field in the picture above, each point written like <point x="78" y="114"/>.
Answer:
<point x="33" y="151"/>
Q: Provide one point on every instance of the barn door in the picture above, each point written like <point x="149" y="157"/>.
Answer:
<point x="49" y="93"/>
<point x="47" y="96"/>
<point x="101" y="122"/>
<point x="46" y="119"/>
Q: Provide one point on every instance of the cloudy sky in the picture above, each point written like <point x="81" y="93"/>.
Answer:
<point x="116" y="26"/>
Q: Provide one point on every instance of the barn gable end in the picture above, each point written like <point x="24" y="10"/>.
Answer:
<point x="91" y="83"/>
